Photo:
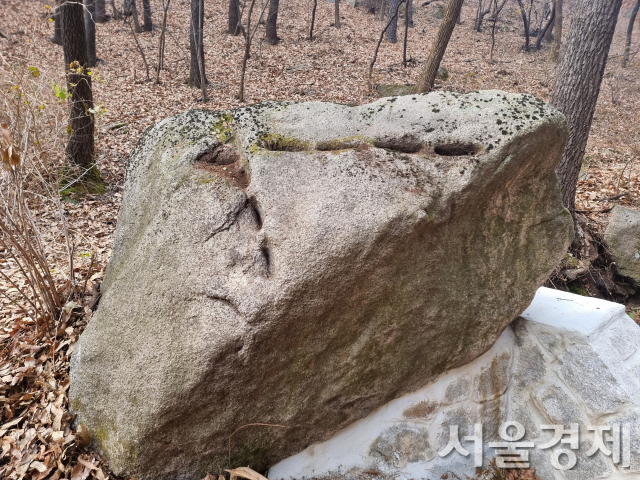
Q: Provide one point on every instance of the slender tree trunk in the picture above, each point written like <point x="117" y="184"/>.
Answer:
<point x="525" y="22"/>
<point x="235" y="22"/>
<point x="272" y="21"/>
<point x="447" y="24"/>
<point x="336" y="21"/>
<point x="163" y="34"/>
<point x="392" y="31"/>
<point x="116" y="14"/>
<point x="480" y="14"/>
<point x="134" y="11"/>
<point x="494" y="19"/>
<point x="408" y="17"/>
<point x="313" y="19"/>
<point x="547" y="27"/>
<point x="101" y="12"/>
<point x="196" y="44"/>
<point x="146" y="16"/>
<point x="406" y="32"/>
<point x="247" y="49"/>
<point x="578" y="83"/>
<point x="375" y="53"/>
<point x="548" y="36"/>
<point x="57" y="26"/>
<point x="90" y="29"/>
<point x="627" y="46"/>
<point x="80" y="148"/>
<point x="126" y="8"/>
<point x="557" y="26"/>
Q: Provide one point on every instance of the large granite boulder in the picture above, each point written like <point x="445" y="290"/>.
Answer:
<point x="303" y="264"/>
<point x="622" y="239"/>
<point x="568" y="360"/>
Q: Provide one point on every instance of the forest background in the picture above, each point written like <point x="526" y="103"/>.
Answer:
<point x="76" y="230"/>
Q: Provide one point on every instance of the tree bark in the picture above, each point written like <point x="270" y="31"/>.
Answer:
<point x="134" y="11"/>
<point x="161" y="43"/>
<point x="336" y="21"/>
<point x="116" y="14"/>
<point x="525" y="22"/>
<point x="90" y="30"/>
<point x="542" y="34"/>
<point x="392" y="30"/>
<point x="408" y="16"/>
<point x="80" y="148"/>
<point x="627" y="46"/>
<point x="272" y="21"/>
<point x="101" y="11"/>
<point x="196" y="44"/>
<point x="480" y="14"/>
<point x="57" y="26"/>
<point x="146" y="16"/>
<point x="447" y="24"/>
<point x="126" y="8"/>
<point x="234" y="17"/>
<point x="578" y="83"/>
<point x="557" y="26"/>
<point x="313" y="19"/>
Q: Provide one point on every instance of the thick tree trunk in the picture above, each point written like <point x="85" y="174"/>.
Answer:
<point x="146" y="14"/>
<point x="627" y="46"/>
<point x="392" y="31"/>
<point x="557" y="26"/>
<point x="196" y="44"/>
<point x="578" y="83"/>
<point x="525" y="22"/>
<point x="447" y="24"/>
<point x="80" y="148"/>
<point x="57" y="27"/>
<point x="234" y="17"/>
<point x="272" y="21"/>
<point x="101" y="11"/>
<point x="90" y="30"/>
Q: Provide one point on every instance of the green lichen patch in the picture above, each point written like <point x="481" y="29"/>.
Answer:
<point x="75" y="180"/>
<point x="344" y="143"/>
<point x="280" y="143"/>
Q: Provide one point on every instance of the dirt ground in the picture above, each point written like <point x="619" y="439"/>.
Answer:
<point x="333" y="67"/>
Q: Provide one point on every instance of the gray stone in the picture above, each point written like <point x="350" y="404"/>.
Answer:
<point x="558" y="408"/>
<point x="303" y="264"/>
<point x="583" y="370"/>
<point x="622" y="239"/>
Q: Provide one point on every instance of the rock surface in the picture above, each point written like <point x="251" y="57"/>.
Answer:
<point x="568" y="359"/>
<point x="622" y="238"/>
<point x="304" y="264"/>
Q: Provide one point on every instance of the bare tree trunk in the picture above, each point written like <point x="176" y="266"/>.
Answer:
<point x="408" y="16"/>
<point x="247" y="49"/>
<point x="525" y="22"/>
<point x="101" y="13"/>
<point x="196" y="42"/>
<point x="116" y="13"/>
<point x="406" y="32"/>
<point x="627" y="45"/>
<point x="494" y="19"/>
<point x="126" y="8"/>
<point x="313" y="19"/>
<point x="165" y="9"/>
<point x="80" y="148"/>
<point x="234" y="17"/>
<point x="547" y="27"/>
<point x="90" y="29"/>
<point x="447" y="24"/>
<point x="548" y="36"/>
<point x="134" y="11"/>
<point x="557" y="26"/>
<point x="375" y="53"/>
<point x="392" y="30"/>
<point x="146" y="16"/>
<point x="336" y="22"/>
<point x="480" y="14"/>
<point x="578" y="83"/>
<point x="272" y="21"/>
<point x="57" y="26"/>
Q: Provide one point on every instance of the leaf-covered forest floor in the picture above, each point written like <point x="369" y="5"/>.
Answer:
<point x="35" y="425"/>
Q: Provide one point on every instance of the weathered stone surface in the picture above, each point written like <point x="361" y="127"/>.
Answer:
<point x="542" y="398"/>
<point x="304" y="264"/>
<point x="622" y="238"/>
